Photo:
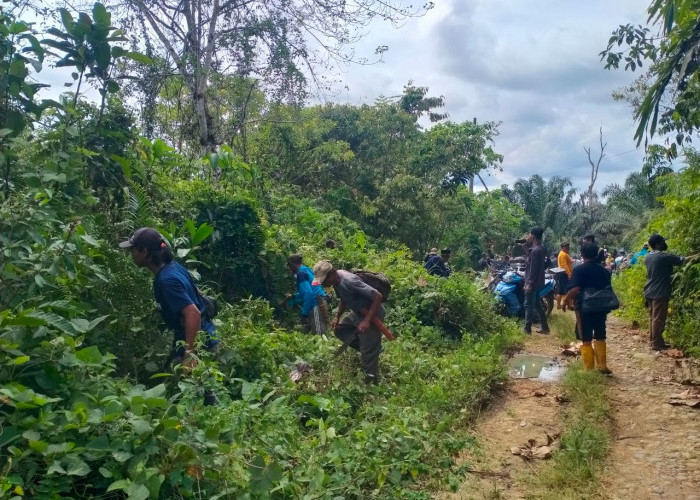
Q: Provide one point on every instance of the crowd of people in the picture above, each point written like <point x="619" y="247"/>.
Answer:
<point x="584" y="287"/>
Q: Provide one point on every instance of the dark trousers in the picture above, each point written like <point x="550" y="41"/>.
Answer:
<point x="593" y="326"/>
<point x="658" y="311"/>
<point x="532" y="302"/>
<point x="369" y="344"/>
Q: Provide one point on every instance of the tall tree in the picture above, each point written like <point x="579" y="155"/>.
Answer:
<point x="271" y="40"/>
<point x="674" y="55"/>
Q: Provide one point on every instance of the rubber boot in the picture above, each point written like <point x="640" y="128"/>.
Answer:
<point x="601" y="361"/>
<point x="587" y="356"/>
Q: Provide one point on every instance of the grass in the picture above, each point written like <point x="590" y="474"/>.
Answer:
<point x="563" y="324"/>
<point x="575" y="470"/>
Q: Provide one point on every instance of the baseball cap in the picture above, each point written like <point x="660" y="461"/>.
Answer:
<point x="145" y="237"/>
<point x="321" y="270"/>
<point x="445" y="251"/>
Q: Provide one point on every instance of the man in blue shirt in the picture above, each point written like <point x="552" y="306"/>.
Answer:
<point x="311" y="298"/>
<point x="181" y="306"/>
<point x="437" y="265"/>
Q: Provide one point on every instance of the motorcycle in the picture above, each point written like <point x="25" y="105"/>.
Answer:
<point x="509" y="289"/>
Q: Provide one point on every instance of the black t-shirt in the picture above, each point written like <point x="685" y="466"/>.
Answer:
<point x="590" y="275"/>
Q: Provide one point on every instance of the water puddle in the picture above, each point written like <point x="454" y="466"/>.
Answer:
<point x="542" y="368"/>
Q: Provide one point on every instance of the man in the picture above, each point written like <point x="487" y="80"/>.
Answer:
<point x="565" y="262"/>
<point x="642" y="253"/>
<point x="589" y="238"/>
<point x="587" y="276"/>
<point x="181" y="306"/>
<point x="312" y="298"/>
<point x="431" y="254"/>
<point x="437" y="266"/>
<point x="534" y="281"/>
<point x="356" y="329"/>
<point x="483" y="262"/>
<point x="657" y="290"/>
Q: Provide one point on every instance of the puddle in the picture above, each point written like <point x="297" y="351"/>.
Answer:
<point x="542" y="368"/>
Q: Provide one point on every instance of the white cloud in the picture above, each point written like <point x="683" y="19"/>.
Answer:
<point x="532" y="65"/>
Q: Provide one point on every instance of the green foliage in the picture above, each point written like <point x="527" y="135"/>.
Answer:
<point x="629" y="287"/>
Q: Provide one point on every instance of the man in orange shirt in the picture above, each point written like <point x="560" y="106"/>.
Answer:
<point x="567" y="264"/>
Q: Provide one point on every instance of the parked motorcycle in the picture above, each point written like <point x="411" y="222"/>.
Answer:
<point x="508" y="287"/>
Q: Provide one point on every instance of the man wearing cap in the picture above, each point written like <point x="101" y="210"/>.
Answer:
<point x="355" y="329"/>
<point x="565" y="262"/>
<point x="642" y="253"/>
<point x="180" y="304"/>
<point x="657" y="290"/>
<point x="311" y="298"/>
<point x="437" y="265"/>
<point x="431" y="254"/>
<point x="534" y="281"/>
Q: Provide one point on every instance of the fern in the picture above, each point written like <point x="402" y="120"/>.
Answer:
<point x="138" y="207"/>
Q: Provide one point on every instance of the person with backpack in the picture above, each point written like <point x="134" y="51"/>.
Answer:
<point x="437" y="265"/>
<point x="181" y="305"/>
<point x="589" y="282"/>
<point x="311" y="298"/>
<point x="356" y="329"/>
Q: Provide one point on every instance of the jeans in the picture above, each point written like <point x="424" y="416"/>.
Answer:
<point x="532" y="302"/>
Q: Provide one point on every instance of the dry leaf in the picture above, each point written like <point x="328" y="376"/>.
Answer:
<point x="572" y="349"/>
<point x="674" y="353"/>
<point x="542" y="452"/>
<point x="691" y="398"/>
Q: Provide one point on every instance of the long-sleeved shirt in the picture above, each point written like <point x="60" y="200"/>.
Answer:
<point x="534" y="270"/>
<point x="438" y="267"/>
<point x="306" y="292"/>
<point x="565" y="261"/>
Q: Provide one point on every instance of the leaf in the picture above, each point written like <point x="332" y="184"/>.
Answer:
<point x="102" y="18"/>
<point x="75" y="466"/>
<point x="67" y="20"/>
<point x="90" y="355"/>
<point x="137" y="492"/>
<point x="138" y="57"/>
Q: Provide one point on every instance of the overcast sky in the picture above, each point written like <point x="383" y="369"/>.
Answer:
<point x="533" y="65"/>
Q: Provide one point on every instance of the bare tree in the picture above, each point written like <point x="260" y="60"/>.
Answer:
<point x="595" y="166"/>
<point x="280" y="42"/>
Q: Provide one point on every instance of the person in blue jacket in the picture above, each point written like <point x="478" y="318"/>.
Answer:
<point x="311" y="298"/>
<point x="437" y="265"/>
<point x="180" y="303"/>
<point x="635" y="258"/>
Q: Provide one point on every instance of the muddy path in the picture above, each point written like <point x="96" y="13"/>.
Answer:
<point x="655" y="451"/>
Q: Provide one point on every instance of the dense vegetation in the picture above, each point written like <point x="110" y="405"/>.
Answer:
<point x="87" y="408"/>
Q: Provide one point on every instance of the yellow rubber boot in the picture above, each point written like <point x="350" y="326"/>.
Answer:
<point x="601" y="360"/>
<point x="587" y="356"/>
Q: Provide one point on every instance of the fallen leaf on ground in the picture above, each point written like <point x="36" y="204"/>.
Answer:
<point x="532" y="450"/>
<point x="691" y="398"/>
<point x="572" y="349"/>
<point x="674" y="353"/>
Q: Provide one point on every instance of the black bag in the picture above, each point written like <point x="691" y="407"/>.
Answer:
<point x="211" y="306"/>
<point x="599" y="300"/>
<point x="378" y="281"/>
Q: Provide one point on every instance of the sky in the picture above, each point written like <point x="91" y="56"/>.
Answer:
<point x="534" y="66"/>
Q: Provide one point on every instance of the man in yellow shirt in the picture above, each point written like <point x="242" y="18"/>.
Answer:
<point x="567" y="264"/>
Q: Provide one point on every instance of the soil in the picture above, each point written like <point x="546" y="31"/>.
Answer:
<point x="655" y="451"/>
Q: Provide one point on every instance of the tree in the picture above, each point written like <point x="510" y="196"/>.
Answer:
<point x="674" y="56"/>
<point x="270" y="40"/>
<point x="595" y="166"/>
<point x="549" y="204"/>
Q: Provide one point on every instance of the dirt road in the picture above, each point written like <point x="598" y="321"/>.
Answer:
<point x="655" y="452"/>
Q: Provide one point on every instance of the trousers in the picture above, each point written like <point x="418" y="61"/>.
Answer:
<point x="369" y="344"/>
<point x="532" y="302"/>
<point x="658" y="312"/>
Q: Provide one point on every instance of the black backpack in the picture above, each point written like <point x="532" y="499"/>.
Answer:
<point x="378" y="281"/>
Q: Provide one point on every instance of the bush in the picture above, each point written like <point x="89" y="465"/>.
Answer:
<point x="629" y="287"/>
